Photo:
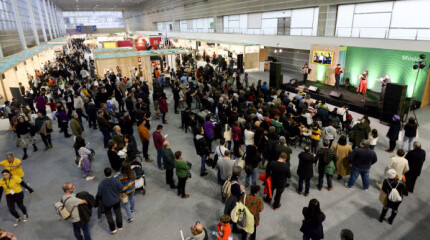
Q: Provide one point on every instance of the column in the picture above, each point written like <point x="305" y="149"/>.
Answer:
<point x="42" y="21"/>
<point x="54" y="18"/>
<point x="47" y="19"/>
<point x="51" y="17"/>
<point x="18" y="24"/>
<point x="33" y="22"/>
<point x="1" y="51"/>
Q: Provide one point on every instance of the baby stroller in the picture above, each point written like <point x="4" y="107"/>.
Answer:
<point x="140" y="182"/>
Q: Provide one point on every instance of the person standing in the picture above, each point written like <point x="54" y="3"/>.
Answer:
<point x="326" y="158"/>
<point x="225" y="167"/>
<point x="104" y="127"/>
<point x="384" y="83"/>
<point x="315" y="137"/>
<point x="23" y="132"/>
<point x="71" y="203"/>
<point x="158" y="143"/>
<point x="109" y="190"/>
<point x="329" y="133"/>
<point x="224" y="228"/>
<point x="114" y="160"/>
<point x="40" y="103"/>
<point x="305" y="70"/>
<point x="14" y="165"/>
<point x="359" y="132"/>
<point x="14" y="195"/>
<point x="202" y="149"/>
<point x="346" y="234"/>
<point x="176" y="98"/>
<point x="76" y="125"/>
<point x="209" y="128"/>
<point x="390" y="183"/>
<point x="410" y="133"/>
<point x="44" y="128"/>
<point x="342" y="151"/>
<point x="255" y="206"/>
<point x="90" y="109"/>
<point x="362" y="87"/>
<point x="182" y="174"/>
<point x="360" y="161"/>
<point x="144" y="138"/>
<point x="393" y="133"/>
<point x="312" y="227"/>
<point x="251" y="163"/>
<point x="416" y="159"/>
<point x="337" y="71"/>
<point x="78" y="104"/>
<point x="305" y="170"/>
<point x="398" y="163"/>
<point x="169" y="163"/>
<point x="162" y="104"/>
<point x="128" y="178"/>
<point x="279" y="171"/>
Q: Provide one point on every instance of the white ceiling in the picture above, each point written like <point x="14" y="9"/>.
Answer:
<point x="96" y="5"/>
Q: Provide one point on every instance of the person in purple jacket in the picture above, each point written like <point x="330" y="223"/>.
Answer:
<point x="63" y="120"/>
<point x="40" y="104"/>
<point x="209" y="128"/>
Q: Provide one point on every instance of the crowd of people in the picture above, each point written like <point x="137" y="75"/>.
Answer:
<point x="258" y="128"/>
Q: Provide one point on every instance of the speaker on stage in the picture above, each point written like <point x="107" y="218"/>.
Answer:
<point x="240" y="62"/>
<point x="275" y="75"/>
<point x="313" y="89"/>
<point x="394" y="101"/>
<point x="336" y="95"/>
<point x="293" y="82"/>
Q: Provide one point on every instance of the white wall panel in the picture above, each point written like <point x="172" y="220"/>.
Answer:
<point x="233" y="17"/>
<point x="277" y="14"/>
<point x="269" y="26"/>
<point x="411" y="14"/>
<point x="373" y="32"/>
<point x="345" y="15"/>
<point x="199" y="23"/>
<point x="403" y="33"/>
<point x="372" y="20"/>
<point x="374" y="7"/>
<point x="225" y="18"/>
<point x="254" y="20"/>
<point x="301" y="18"/>
<point x="315" y="22"/>
<point x="243" y="21"/>
<point x="423" y="34"/>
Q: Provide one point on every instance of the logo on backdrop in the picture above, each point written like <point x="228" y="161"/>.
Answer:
<point x="409" y="58"/>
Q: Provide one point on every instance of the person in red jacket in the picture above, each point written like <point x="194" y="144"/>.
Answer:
<point x="158" y="142"/>
<point x="223" y="227"/>
<point x="162" y="105"/>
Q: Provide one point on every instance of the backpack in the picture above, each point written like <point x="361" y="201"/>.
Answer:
<point x="62" y="210"/>
<point x="243" y="217"/>
<point x="394" y="195"/>
<point x="226" y="188"/>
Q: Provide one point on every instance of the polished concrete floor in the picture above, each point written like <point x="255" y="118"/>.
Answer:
<point x="160" y="214"/>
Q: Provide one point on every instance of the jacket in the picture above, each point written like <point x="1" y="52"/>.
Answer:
<point x="267" y="182"/>
<point x="201" y="145"/>
<point x="312" y="228"/>
<point x="279" y="172"/>
<point x="393" y="131"/>
<point x="416" y="160"/>
<point x="109" y="189"/>
<point x="236" y="133"/>
<point x="306" y="162"/>
<point x="158" y="140"/>
<point x="410" y="130"/>
<point x="342" y="153"/>
<point x="359" y="132"/>
<point x="168" y="158"/>
<point x="362" y="158"/>
<point x="103" y="123"/>
<point x="400" y="164"/>
<point x="162" y="105"/>
<point x="85" y="210"/>
<point x="43" y="125"/>
<point x="143" y="133"/>
<point x="76" y="127"/>
<point x="181" y="168"/>
<point x="324" y="156"/>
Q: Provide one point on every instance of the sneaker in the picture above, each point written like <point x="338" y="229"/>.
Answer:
<point x="346" y="185"/>
<point x="25" y="157"/>
<point x="306" y="194"/>
<point x="17" y="222"/>
<point x="300" y="193"/>
<point x="276" y="208"/>
<point x="203" y="174"/>
<point x="120" y="229"/>
<point x="133" y="211"/>
<point x="89" y="178"/>
<point x="130" y="220"/>
<point x="25" y="218"/>
<point x="113" y="232"/>
<point x="330" y="188"/>
<point x="46" y="149"/>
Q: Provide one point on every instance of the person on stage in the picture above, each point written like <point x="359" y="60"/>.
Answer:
<point x="305" y="70"/>
<point x="384" y="83"/>
<point x="337" y="71"/>
<point x="362" y="87"/>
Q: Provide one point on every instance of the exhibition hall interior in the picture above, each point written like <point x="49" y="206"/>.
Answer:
<point x="214" y="119"/>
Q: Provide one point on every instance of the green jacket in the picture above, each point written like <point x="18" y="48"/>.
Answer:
<point x="278" y="125"/>
<point x="168" y="158"/>
<point x="181" y="168"/>
<point x="76" y="127"/>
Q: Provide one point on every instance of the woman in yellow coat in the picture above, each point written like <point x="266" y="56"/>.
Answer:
<point x="342" y="150"/>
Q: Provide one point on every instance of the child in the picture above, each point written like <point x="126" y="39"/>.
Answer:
<point x="316" y="133"/>
<point x="373" y="138"/>
<point x="224" y="229"/>
<point x="53" y="106"/>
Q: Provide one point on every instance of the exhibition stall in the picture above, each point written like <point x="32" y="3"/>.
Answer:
<point x="128" y="61"/>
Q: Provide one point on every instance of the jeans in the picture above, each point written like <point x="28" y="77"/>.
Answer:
<point x="130" y="205"/>
<point x="106" y="135"/>
<point x="159" y="158"/>
<point x="354" y="175"/>
<point x="181" y="186"/>
<point x="117" y="209"/>
<point x="314" y="146"/>
<point x="92" y="120"/>
<point x="321" y="180"/>
<point x="77" y="226"/>
<point x="307" y="184"/>
<point x="17" y="198"/>
<point x="209" y="139"/>
<point x="410" y="140"/>
<point x="228" y="145"/>
<point x="145" y="145"/>
<point x="254" y="177"/>
<point x="203" y="167"/>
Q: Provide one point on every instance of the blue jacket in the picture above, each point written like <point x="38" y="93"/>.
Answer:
<point x="109" y="190"/>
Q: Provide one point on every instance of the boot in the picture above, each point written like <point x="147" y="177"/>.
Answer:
<point x="383" y="213"/>
<point x="25" y="154"/>
<point x="34" y="148"/>
<point x="393" y="215"/>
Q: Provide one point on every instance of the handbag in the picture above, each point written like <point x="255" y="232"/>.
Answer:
<point x="241" y="161"/>
<point x="383" y="197"/>
<point x="124" y="198"/>
<point x="227" y="133"/>
<point x="330" y="168"/>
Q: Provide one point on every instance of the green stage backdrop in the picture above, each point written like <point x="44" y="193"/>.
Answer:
<point x="379" y="62"/>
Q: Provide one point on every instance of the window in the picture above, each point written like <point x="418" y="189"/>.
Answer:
<point x="112" y="19"/>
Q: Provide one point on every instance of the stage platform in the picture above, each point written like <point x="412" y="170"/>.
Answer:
<point x="371" y="106"/>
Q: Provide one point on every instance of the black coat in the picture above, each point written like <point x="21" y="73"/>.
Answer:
<point x="324" y="156"/>
<point x="393" y="131"/>
<point x="312" y="228"/>
<point x="279" y="172"/>
<point x="85" y="210"/>
<point x="201" y="145"/>
<point x="305" y="168"/>
<point x="416" y="160"/>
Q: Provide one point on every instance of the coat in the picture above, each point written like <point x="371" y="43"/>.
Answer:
<point x="267" y="182"/>
<point x="342" y="165"/>
<point x="168" y="158"/>
<point x="359" y="132"/>
<point x="312" y="228"/>
<point x="393" y="131"/>
<point x="306" y="162"/>
<point x="76" y="127"/>
<point x="85" y="210"/>
<point x="162" y="105"/>
<point x="143" y="133"/>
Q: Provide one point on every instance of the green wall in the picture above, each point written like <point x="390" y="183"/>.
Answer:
<point x="379" y="62"/>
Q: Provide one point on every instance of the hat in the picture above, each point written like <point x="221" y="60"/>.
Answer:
<point x="397" y="117"/>
<point x="391" y="173"/>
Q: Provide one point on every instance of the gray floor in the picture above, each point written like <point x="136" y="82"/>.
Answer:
<point x="160" y="214"/>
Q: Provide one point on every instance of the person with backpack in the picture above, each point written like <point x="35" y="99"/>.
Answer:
<point x="14" y="195"/>
<point x="255" y="206"/>
<point x="279" y="171"/>
<point x="326" y="159"/>
<point x="312" y="227"/>
<point x="394" y="188"/>
<point x="70" y="202"/>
